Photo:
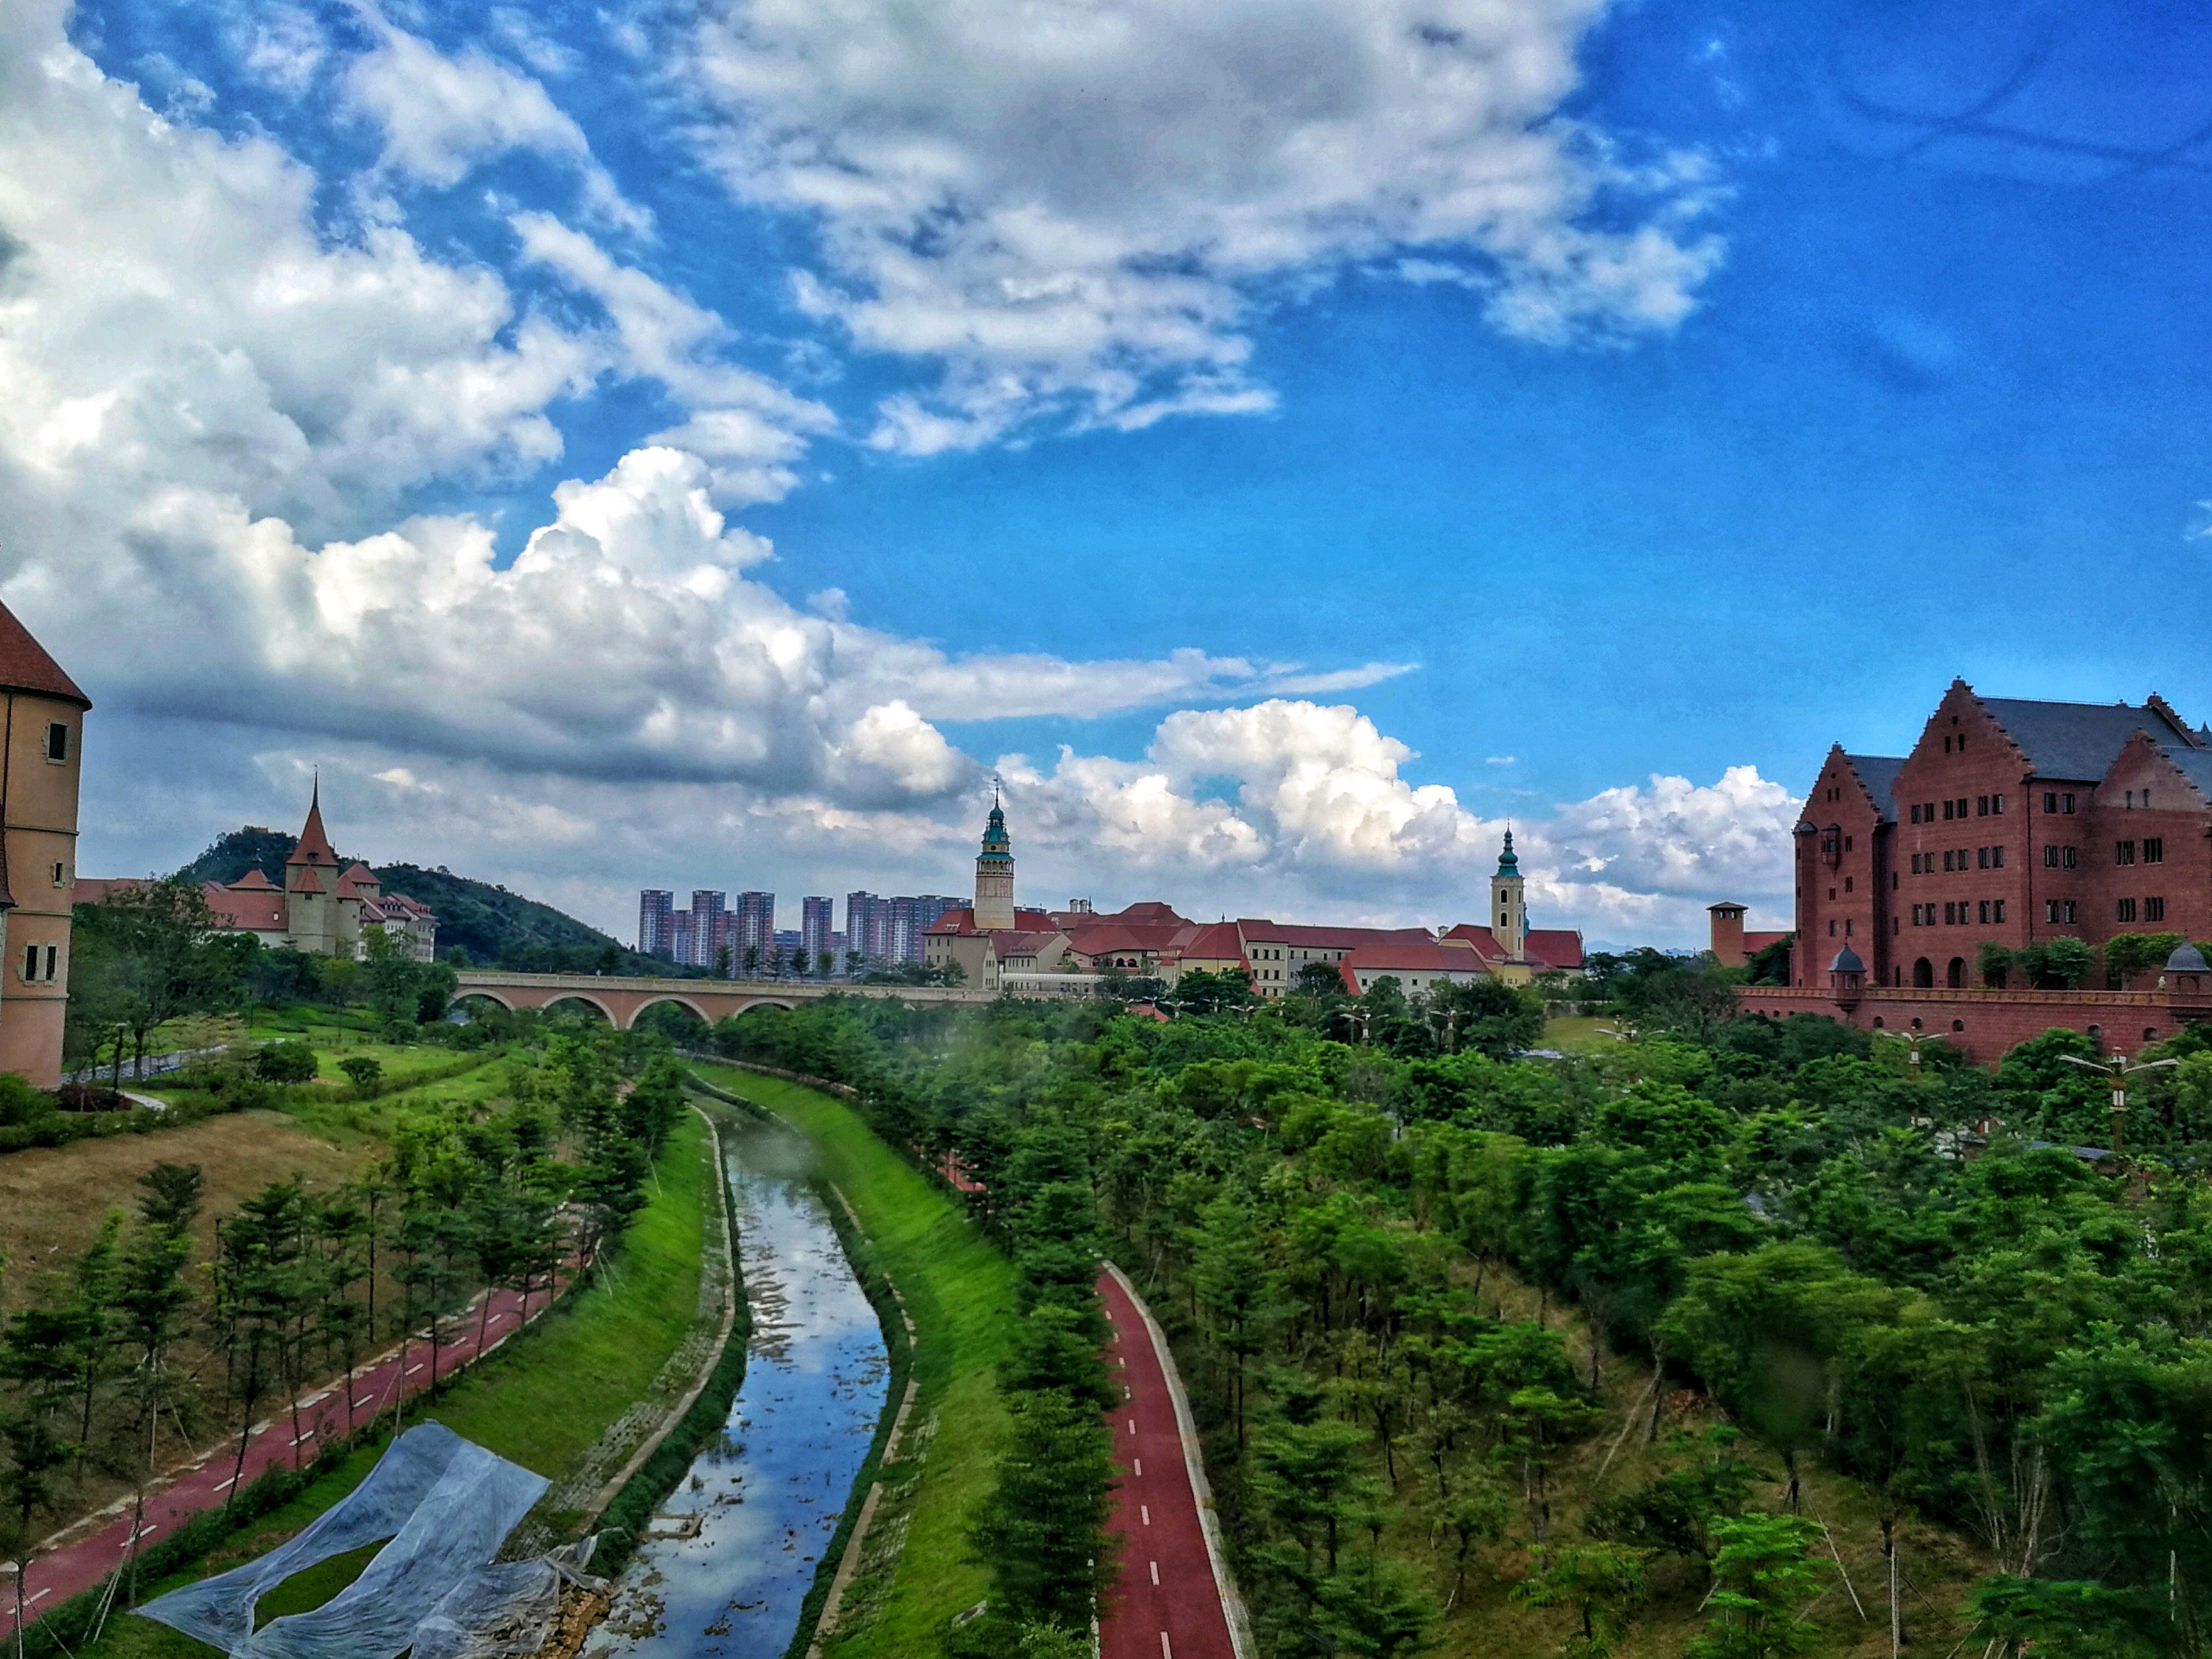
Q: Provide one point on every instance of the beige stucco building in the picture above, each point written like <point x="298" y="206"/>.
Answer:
<point x="41" y="735"/>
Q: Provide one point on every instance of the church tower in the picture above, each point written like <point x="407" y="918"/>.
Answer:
<point x="994" y="875"/>
<point x="1509" y="918"/>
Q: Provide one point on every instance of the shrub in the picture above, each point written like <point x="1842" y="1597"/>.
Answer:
<point x="285" y="1062"/>
<point x="362" y="1070"/>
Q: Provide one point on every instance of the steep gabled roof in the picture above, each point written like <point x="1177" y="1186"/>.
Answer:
<point x="1214" y="941"/>
<point x="2078" y="740"/>
<point x="1556" y="947"/>
<point x="25" y="665"/>
<point x="253" y="882"/>
<point x="314" y="846"/>
<point x="1879" y="774"/>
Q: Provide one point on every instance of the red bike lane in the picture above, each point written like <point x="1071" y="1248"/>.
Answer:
<point x="1167" y="1603"/>
<point x="55" y="1575"/>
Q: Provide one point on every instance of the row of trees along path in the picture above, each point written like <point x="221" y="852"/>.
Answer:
<point x="463" y="1201"/>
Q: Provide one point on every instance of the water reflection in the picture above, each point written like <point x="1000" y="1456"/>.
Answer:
<point x="735" y="1548"/>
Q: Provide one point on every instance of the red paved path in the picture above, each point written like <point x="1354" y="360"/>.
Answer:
<point x="53" y="1578"/>
<point x="1166" y="1605"/>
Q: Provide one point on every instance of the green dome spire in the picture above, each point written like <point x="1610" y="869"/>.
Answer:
<point x="1507" y="864"/>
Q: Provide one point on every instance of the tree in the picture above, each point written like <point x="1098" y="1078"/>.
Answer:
<point x="1761" y="1577"/>
<point x="284" y="1062"/>
<point x="1603" y="1583"/>
<point x="145" y="954"/>
<point x="1229" y="1274"/>
<point x="362" y="1070"/>
<point x="1321" y="981"/>
<point x="1043" y="1529"/>
<point x="1490" y="1016"/>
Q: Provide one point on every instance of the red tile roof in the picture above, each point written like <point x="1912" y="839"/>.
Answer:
<point x="253" y="882"/>
<point x="308" y="881"/>
<point x="1549" y="947"/>
<point x="963" y="922"/>
<point x="258" y="909"/>
<point x="314" y="844"/>
<point x="25" y="665"/>
<point x="1215" y="941"/>
<point x="1324" y="938"/>
<point x="1026" y="944"/>
<point x="1414" y="957"/>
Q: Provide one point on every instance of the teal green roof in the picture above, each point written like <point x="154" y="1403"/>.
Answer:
<point x="1507" y="864"/>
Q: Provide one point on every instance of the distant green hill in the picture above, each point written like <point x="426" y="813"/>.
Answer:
<point x="495" y="926"/>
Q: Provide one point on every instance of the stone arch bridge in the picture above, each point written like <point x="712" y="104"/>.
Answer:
<point x="622" y="998"/>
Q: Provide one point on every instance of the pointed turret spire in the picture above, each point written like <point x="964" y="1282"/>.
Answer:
<point x="1507" y="864"/>
<point x="314" y="844"/>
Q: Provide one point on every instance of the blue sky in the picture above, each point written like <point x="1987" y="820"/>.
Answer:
<point x="1807" y="355"/>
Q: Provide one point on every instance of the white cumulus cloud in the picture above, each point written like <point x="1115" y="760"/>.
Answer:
<point x="1079" y="205"/>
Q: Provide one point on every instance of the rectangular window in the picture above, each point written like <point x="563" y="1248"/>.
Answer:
<point x="1982" y="912"/>
<point x="1947" y="909"/>
<point x="1981" y="807"/>
<point x="2050" y="858"/>
<point x="1847" y="844"/>
<point x="2124" y="851"/>
<point x="1927" y="812"/>
<point x="1847" y="884"/>
<point x="52" y="952"/>
<point x="2050" y="911"/>
<point x="1947" y="860"/>
<point x="2065" y="806"/>
<point x="57" y="741"/>
<point x="1981" y="858"/>
<point x="2071" y="917"/>
<point x="1997" y="857"/>
<point x="2153" y="849"/>
<point x="31" y="963"/>
<point x="1997" y="909"/>
<point x="2069" y="857"/>
<point x="1831" y="930"/>
<point x="2153" y="909"/>
<point x="1947" y="811"/>
<point x="1916" y="915"/>
<point x="2125" y="909"/>
<point x="1916" y="812"/>
<point x="2050" y="800"/>
<point x="1962" y="806"/>
<point x="1847" y="927"/>
<point x="1996" y="805"/>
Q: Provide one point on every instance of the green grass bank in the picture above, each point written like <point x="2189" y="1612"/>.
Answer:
<point x="960" y="1291"/>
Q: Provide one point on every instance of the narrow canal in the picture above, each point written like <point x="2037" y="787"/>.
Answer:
<point x="729" y="1558"/>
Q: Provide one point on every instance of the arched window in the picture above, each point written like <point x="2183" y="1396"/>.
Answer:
<point x="1957" y="976"/>
<point x="1958" y="1024"/>
<point x="1877" y="1022"/>
<point x="1923" y="974"/>
<point x="2151" y="1034"/>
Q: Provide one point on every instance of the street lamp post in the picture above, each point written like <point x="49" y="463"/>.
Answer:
<point x="2117" y="1071"/>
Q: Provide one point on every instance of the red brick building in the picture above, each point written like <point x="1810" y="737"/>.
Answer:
<point x="2011" y="821"/>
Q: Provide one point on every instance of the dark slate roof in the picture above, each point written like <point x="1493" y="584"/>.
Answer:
<point x="2080" y="739"/>
<point x="1879" y="774"/>
<point x="2195" y="765"/>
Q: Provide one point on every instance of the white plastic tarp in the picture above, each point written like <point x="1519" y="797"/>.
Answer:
<point x="446" y="1504"/>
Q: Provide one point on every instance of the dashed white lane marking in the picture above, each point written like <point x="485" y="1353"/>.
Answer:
<point x="1132" y="1425"/>
<point x="411" y="1370"/>
<point x="1156" y="1572"/>
<point x="1166" y="1652"/>
<point x="363" y="1401"/>
<point x="1145" y="1513"/>
<point x="1140" y="1468"/>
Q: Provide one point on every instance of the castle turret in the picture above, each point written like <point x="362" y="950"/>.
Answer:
<point x="313" y="917"/>
<point x="40" y="739"/>
<point x="994" y="874"/>
<point x="1508" y="917"/>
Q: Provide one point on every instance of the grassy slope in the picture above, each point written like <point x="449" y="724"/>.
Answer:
<point x="960" y="1291"/>
<point x="541" y="1400"/>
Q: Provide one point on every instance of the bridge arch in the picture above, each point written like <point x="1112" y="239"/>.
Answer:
<point x="468" y="993"/>
<point x="585" y="997"/>
<point x="670" y="998"/>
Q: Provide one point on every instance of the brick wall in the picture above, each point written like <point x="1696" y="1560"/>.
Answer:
<point x="1985" y="1023"/>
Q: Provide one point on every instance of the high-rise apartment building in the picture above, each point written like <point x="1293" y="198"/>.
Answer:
<point x="681" y="947"/>
<point x="709" y="920"/>
<point x="910" y="919"/>
<point x="814" y="928"/>
<point x="753" y="928"/>
<point x="655" y="934"/>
